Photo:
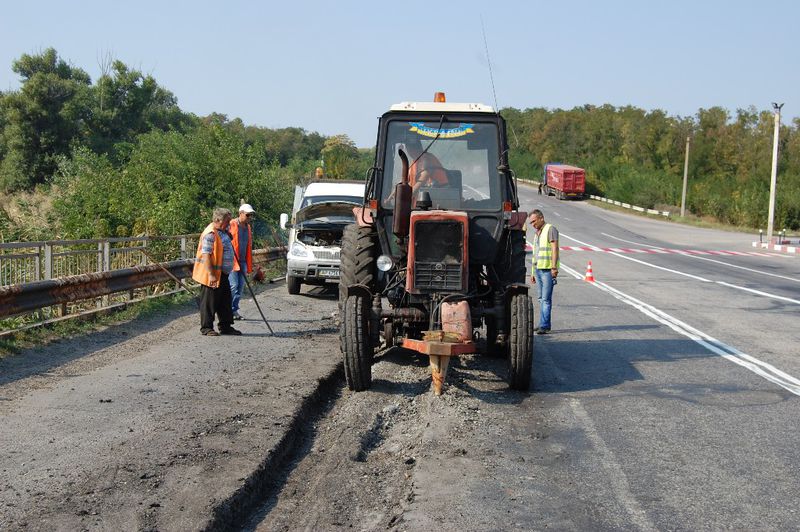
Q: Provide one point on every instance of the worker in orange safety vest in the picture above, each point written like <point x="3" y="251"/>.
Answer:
<point x="213" y="263"/>
<point x="242" y="239"/>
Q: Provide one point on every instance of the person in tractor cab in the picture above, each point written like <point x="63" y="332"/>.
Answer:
<point x="425" y="169"/>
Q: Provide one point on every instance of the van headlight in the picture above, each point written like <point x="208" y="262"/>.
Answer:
<point x="385" y="263"/>
<point x="299" y="250"/>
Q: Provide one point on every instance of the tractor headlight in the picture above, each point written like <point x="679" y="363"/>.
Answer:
<point x="385" y="263"/>
<point x="300" y="250"/>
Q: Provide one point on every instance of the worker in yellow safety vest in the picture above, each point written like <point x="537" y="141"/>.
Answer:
<point x="212" y="265"/>
<point x="544" y="270"/>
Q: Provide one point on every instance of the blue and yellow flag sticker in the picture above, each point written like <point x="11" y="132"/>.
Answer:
<point x="451" y="133"/>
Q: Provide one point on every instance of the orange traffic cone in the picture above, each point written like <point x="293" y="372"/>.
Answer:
<point x="589" y="275"/>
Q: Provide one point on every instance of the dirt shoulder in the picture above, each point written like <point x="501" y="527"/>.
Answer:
<point x="149" y="425"/>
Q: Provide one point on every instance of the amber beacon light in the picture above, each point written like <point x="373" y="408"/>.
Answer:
<point x="439" y="97"/>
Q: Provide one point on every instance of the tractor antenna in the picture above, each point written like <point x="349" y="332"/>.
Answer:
<point x="489" y="61"/>
<point x="491" y="78"/>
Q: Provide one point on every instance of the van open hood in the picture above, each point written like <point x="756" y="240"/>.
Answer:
<point x="329" y="211"/>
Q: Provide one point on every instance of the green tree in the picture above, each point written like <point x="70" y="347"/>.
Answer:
<point x="41" y="120"/>
<point x="125" y="104"/>
<point x="341" y="158"/>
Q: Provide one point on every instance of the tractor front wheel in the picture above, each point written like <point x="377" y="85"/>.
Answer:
<point x="520" y="343"/>
<point x="360" y="248"/>
<point x="355" y="341"/>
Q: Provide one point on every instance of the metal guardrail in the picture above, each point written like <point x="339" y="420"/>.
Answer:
<point x="28" y="297"/>
<point x="25" y="262"/>
<point x="666" y="214"/>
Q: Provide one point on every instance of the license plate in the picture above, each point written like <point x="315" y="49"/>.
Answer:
<point x="329" y="273"/>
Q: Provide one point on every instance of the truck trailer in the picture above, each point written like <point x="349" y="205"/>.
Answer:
<point x="564" y="181"/>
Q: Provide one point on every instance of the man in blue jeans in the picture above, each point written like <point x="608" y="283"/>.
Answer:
<point x="544" y="270"/>
<point x="242" y="240"/>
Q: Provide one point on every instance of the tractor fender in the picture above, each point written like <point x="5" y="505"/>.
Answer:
<point x="517" y="220"/>
<point x="358" y="290"/>
<point x="516" y="288"/>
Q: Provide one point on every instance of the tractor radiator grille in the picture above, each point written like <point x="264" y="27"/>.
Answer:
<point x="438" y="255"/>
<point x="437" y="276"/>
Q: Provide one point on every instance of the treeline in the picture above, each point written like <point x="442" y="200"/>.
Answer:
<point x="637" y="156"/>
<point x="118" y="157"/>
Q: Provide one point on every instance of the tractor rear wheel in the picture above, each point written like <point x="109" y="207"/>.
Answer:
<point x="355" y="343"/>
<point x="520" y="342"/>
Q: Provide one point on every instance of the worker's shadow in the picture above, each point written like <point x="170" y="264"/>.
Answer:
<point x="326" y="330"/>
<point x="591" y="364"/>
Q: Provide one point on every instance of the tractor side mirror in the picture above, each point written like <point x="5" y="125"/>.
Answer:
<point x="284" y="220"/>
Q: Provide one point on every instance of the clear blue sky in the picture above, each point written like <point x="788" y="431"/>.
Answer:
<point x="333" y="67"/>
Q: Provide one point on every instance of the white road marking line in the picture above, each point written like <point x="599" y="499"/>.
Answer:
<point x="759" y="367"/>
<point x="614" y="473"/>
<point x="698" y="278"/>
<point x="793" y="279"/>
<point x="760" y="293"/>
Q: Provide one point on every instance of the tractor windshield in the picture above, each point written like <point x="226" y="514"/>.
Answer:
<point x="459" y="168"/>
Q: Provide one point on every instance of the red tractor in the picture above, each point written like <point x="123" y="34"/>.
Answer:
<point x="438" y="249"/>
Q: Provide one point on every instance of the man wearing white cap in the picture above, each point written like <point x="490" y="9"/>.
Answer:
<point x="242" y="238"/>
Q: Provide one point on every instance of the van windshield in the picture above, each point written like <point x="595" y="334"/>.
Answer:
<point x="313" y="200"/>
<point x="459" y="170"/>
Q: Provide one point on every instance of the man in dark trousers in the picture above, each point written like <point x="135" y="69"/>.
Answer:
<point x="211" y="268"/>
<point x="544" y="269"/>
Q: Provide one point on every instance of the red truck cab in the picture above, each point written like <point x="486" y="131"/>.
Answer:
<point x="564" y="181"/>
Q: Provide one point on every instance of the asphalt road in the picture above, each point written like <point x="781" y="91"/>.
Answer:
<point x="680" y="370"/>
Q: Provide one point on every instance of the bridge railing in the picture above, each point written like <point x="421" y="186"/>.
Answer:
<point x="42" y="282"/>
<point x="24" y="262"/>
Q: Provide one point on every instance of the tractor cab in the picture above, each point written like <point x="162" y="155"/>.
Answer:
<point x="457" y="154"/>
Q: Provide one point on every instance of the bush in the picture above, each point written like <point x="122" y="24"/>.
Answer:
<point x="170" y="185"/>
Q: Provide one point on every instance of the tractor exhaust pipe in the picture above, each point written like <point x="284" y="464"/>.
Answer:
<point x="402" y="201"/>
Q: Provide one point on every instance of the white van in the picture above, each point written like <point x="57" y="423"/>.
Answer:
<point x="320" y="213"/>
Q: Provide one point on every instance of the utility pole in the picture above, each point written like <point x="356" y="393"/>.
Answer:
<point x="774" y="177"/>
<point x="685" y="176"/>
